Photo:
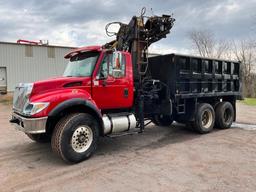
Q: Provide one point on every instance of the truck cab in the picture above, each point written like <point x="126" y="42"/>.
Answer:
<point x="96" y="81"/>
<point x="110" y="77"/>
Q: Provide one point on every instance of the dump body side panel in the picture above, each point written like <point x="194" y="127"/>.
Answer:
<point x="191" y="77"/>
<point x="193" y="80"/>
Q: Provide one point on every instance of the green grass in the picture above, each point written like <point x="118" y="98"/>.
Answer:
<point x="250" y="101"/>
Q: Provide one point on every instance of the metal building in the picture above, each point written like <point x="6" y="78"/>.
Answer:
<point x="29" y="63"/>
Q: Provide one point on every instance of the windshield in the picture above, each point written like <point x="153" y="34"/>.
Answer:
<point x="81" y="65"/>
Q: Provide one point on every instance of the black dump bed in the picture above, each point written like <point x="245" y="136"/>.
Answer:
<point x="190" y="76"/>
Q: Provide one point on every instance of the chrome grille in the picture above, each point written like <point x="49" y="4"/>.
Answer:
<point x="20" y="96"/>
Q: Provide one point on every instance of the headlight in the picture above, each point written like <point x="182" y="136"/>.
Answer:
<point x="33" y="108"/>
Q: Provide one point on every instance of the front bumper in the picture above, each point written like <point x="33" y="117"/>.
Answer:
<point x="29" y="125"/>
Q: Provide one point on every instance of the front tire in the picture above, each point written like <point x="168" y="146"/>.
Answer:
<point x="39" y="138"/>
<point x="75" y="137"/>
<point x="204" y="118"/>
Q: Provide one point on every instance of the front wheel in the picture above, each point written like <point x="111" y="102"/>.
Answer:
<point x="75" y="137"/>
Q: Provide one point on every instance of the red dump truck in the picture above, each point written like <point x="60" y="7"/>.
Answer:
<point x="116" y="88"/>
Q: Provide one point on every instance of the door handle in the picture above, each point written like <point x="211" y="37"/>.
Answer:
<point x="126" y="92"/>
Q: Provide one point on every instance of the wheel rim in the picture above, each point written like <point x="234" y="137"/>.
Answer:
<point x="207" y="119"/>
<point x="81" y="139"/>
<point x="227" y="115"/>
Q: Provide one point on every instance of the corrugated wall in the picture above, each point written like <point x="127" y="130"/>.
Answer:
<point x="21" y="68"/>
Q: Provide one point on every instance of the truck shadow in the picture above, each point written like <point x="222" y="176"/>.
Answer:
<point x="35" y="152"/>
<point x="154" y="137"/>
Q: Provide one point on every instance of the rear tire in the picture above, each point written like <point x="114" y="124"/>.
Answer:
<point x="204" y="118"/>
<point x="162" y="120"/>
<point x="39" y="138"/>
<point x="224" y="115"/>
<point x="75" y="137"/>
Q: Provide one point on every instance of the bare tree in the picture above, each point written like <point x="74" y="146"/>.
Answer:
<point x="202" y="41"/>
<point x="223" y="50"/>
<point x="245" y="52"/>
<point x="206" y="45"/>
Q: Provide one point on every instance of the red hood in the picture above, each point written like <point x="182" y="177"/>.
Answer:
<point x="59" y="83"/>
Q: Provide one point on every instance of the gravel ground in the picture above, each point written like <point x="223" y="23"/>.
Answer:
<point x="246" y="113"/>
<point x="161" y="159"/>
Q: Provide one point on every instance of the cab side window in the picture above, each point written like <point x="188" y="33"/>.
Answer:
<point x="113" y="64"/>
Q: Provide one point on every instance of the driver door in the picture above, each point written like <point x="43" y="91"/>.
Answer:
<point x="111" y="87"/>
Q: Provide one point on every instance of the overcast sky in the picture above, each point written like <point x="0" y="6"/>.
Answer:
<point x="82" y="22"/>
